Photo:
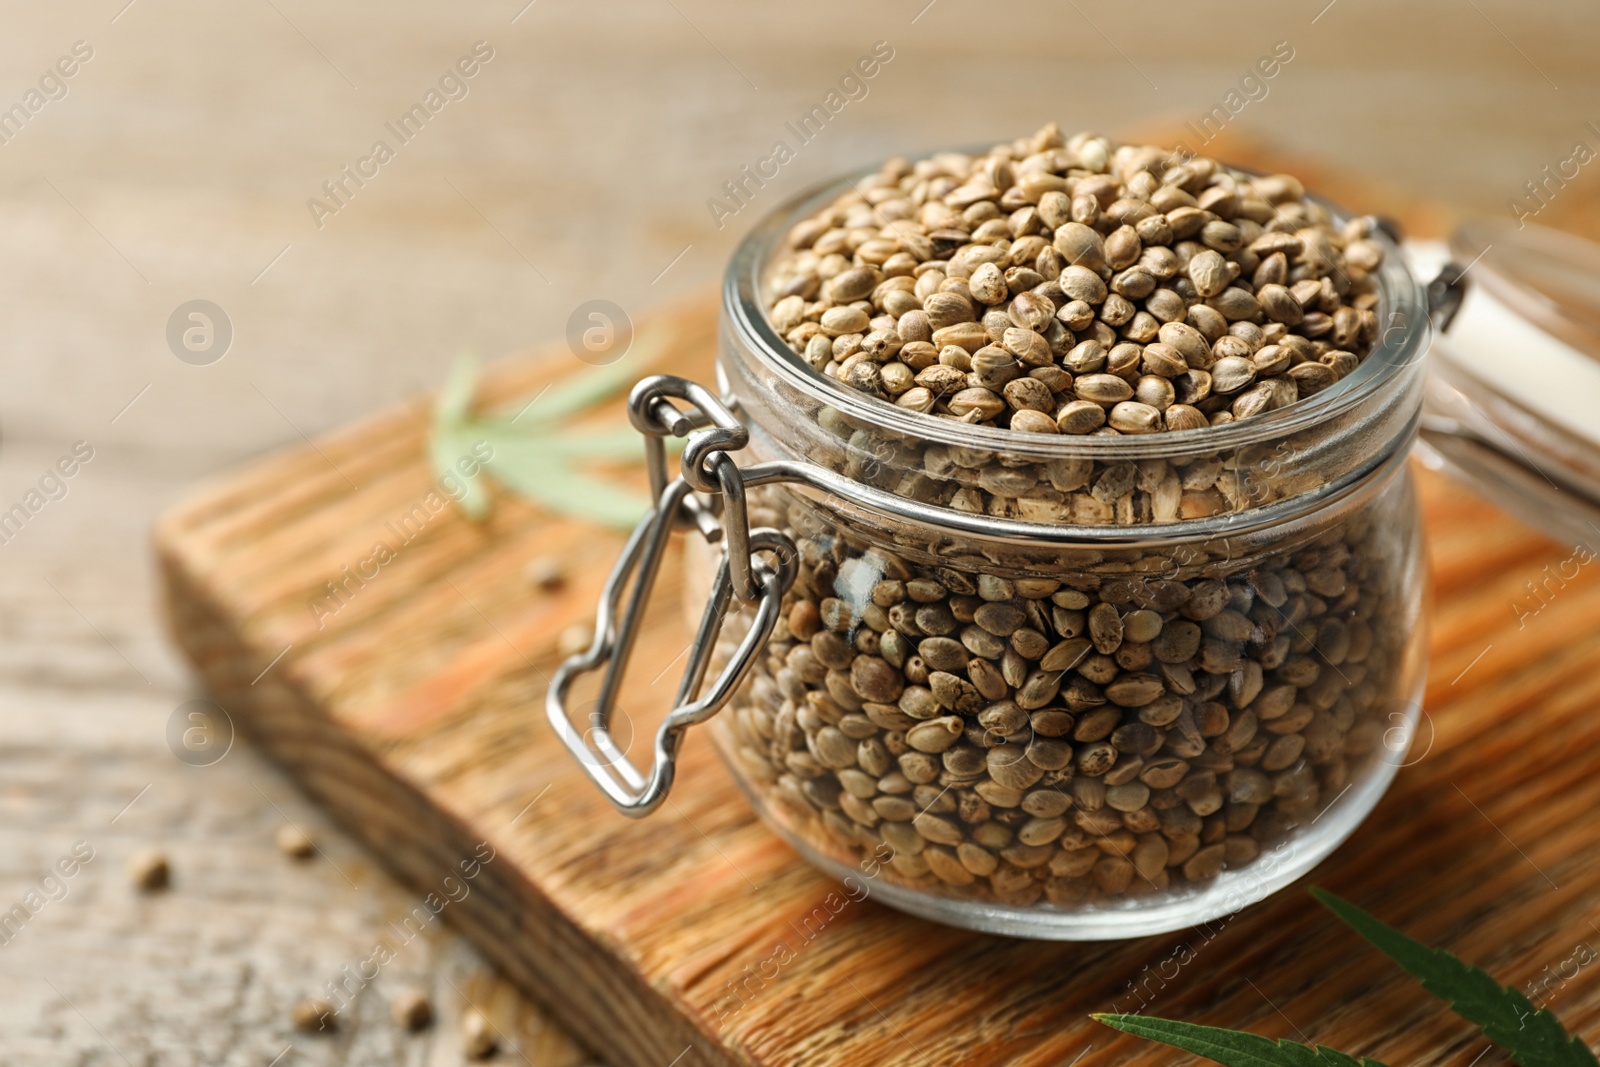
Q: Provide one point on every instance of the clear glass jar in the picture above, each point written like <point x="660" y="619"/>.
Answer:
<point x="1052" y="686"/>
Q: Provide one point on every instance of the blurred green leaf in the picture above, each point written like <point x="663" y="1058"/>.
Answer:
<point x="576" y="393"/>
<point x="456" y="396"/>
<point x="622" y="444"/>
<point x="574" y="493"/>
<point x="534" y="448"/>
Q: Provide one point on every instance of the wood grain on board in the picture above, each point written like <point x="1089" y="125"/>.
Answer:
<point x="413" y="712"/>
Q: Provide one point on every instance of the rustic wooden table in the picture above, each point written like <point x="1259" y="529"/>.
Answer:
<point x="176" y="163"/>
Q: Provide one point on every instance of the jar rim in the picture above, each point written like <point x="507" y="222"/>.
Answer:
<point x="1402" y="305"/>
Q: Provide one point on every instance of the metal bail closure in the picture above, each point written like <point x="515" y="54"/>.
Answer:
<point x="745" y="572"/>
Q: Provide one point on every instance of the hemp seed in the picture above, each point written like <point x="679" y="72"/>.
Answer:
<point x="478" y="1037"/>
<point x="411" y="1010"/>
<point x="574" y="639"/>
<point x="293" y="842"/>
<point x="314" y="1015"/>
<point x="1153" y="246"/>
<point x="1066" y="735"/>
<point x="546" y="573"/>
<point x="149" y="870"/>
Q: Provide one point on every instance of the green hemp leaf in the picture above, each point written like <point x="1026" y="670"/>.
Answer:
<point x="535" y="451"/>
<point x="1233" y="1048"/>
<point x="1534" y="1037"/>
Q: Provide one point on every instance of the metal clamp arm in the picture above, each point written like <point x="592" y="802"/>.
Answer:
<point x="757" y="567"/>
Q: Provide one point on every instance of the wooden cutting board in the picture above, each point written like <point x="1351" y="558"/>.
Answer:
<point x="413" y="712"/>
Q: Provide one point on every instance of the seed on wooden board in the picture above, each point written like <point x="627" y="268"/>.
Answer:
<point x="546" y="573"/>
<point x="411" y="1010"/>
<point x="314" y="1015"/>
<point x="479" y="1040"/>
<point x="293" y="842"/>
<point x="149" y="870"/>
<point x="574" y="639"/>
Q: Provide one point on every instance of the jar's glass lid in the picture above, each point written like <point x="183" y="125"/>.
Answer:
<point x="1513" y="394"/>
<point x="1548" y="277"/>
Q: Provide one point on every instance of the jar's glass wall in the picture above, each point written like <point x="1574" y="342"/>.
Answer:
<point x="1098" y="748"/>
<point x="977" y="473"/>
<point x="1078" y="687"/>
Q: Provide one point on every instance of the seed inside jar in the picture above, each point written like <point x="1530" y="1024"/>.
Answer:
<point x="1072" y="727"/>
<point x="1077" y="733"/>
<point x="1059" y="289"/>
<point x="1042" y="256"/>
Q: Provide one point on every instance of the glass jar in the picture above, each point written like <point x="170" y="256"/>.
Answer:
<point x="1068" y="687"/>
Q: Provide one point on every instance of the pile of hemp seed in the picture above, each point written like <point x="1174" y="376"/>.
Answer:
<point x="1074" y="286"/>
<point x="1078" y="735"/>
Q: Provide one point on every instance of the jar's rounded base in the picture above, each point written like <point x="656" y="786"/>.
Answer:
<point x="1229" y="893"/>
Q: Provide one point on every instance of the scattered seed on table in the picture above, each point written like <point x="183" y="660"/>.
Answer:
<point x="575" y="639"/>
<point x="149" y="870"/>
<point x="293" y="842"/>
<point x="478" y="1039"/>
<point x="411" y="1009"/>
<point x="314" y="1015"/>
<point x="547" y="573"/>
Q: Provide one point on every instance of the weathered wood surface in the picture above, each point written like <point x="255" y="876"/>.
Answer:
<point x="206" y="972"/>
<point x="413" y="714"/>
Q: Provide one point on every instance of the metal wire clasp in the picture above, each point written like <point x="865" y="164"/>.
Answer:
<point x="757" y="568"/>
